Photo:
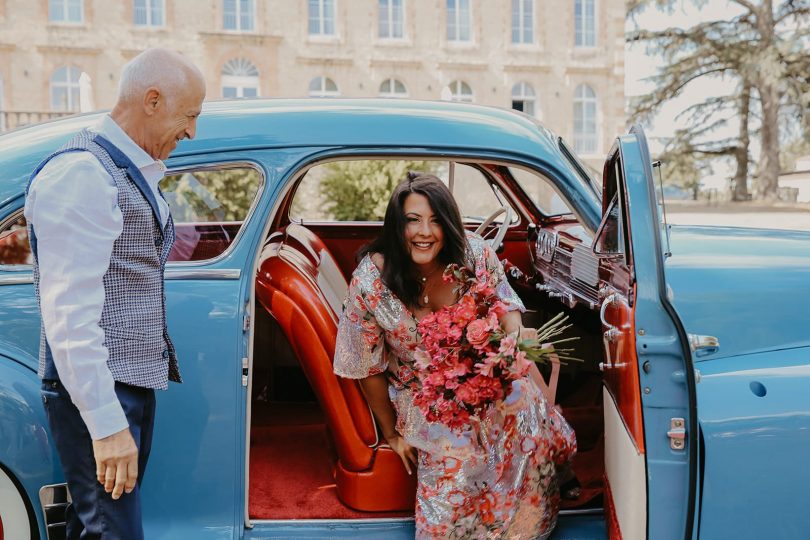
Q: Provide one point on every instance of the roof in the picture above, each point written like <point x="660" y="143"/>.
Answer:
<point x="277" y="123"/>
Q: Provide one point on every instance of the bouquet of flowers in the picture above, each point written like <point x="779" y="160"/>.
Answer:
<point x="467" y="361"/>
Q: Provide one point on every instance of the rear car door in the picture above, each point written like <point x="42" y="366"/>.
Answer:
<point x="650" y="418"/>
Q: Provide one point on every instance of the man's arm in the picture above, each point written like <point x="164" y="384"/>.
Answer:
<point x="73" y="208"/>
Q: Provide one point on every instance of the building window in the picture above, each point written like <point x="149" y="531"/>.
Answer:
<point x="240" y="79"/>
<point x="457" y="91"/>
<point x="323" y="87"/>
<point x="69" y="11"/>
<point x="149" y="12"/>
<point x="392" y="88"/>
<point x="523" y="98"/>
<point x="458" y="20"/>
<point x="239" y="15"/>
<point x="585" y="141"/>
<point x="65" y="89"/>
<point x="391" y="16"/>
<point x="585" y="23"/>
<point x="321" y="17"/>
<point x="522" y="21"/>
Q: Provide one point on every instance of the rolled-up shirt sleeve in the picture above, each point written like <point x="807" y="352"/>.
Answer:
<point x="73" y="208"/>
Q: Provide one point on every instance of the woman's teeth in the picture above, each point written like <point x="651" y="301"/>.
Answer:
<point x="423" y="245"/>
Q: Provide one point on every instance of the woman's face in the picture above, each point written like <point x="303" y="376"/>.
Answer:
<point x="424" y="236"/>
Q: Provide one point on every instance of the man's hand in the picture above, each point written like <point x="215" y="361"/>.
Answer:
<point x="116" y="462"/>
<point x="406" y="452"/>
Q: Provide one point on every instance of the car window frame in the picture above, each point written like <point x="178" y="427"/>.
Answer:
<point x="12" y="269"/>
<point x="496" y="186"/>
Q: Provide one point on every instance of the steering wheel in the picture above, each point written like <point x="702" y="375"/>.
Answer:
<point x="496" y="240"/>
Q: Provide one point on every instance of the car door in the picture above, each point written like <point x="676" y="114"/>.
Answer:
<point x="650" y="420"/>
<point x="193" y="488"/>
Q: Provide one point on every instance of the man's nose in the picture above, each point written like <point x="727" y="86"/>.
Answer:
<point x="191" y="130"/>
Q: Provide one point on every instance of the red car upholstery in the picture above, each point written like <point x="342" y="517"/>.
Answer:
<point x="301" y="286"/>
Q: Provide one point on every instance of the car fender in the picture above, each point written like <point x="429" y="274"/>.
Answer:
<point x="26" y="449"/>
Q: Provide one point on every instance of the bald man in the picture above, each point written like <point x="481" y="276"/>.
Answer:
<point x="101" y="233"/>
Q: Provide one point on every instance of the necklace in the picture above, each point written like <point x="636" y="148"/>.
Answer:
<point x="425" y="286"/>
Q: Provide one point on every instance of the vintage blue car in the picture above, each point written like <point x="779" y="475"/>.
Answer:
<point x="692" y="405"/>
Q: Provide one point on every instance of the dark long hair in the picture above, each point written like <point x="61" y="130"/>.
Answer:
<point x="399" y="273"/>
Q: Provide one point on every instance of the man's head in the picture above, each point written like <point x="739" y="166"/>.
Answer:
<point x="159" y="99"/>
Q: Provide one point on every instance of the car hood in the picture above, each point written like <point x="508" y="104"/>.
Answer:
<point x="750" y="288"/>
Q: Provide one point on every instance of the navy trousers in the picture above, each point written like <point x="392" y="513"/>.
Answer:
<point x="93" y="513"/>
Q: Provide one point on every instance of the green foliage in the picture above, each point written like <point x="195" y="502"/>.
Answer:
<point x="359" y="190"/>
<point x="211" y="196"/>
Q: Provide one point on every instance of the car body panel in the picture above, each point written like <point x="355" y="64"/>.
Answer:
<point x="724" y="279"/>
<point x="755" y="421"/>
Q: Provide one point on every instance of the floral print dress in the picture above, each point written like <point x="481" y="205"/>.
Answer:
<point x="494" y="479"/>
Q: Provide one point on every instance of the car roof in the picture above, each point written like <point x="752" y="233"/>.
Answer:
<point x="276" y="123"/>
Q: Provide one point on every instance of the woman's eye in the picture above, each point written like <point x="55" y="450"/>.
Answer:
<point x="412" y="220"/>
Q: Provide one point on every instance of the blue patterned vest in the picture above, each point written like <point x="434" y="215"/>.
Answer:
<point x="134" y="314"/>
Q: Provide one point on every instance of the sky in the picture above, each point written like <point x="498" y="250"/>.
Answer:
<point x="639" y="65"/>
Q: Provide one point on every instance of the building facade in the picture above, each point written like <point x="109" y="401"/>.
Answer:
<point x="562" y="61"/>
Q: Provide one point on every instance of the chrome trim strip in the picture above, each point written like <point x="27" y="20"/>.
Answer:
<point x="336" y="522"/>
<point x="16" y="279"/>
<point x="173" y="273"/>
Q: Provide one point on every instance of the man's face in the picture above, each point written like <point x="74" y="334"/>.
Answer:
<point x="175" y="119"/>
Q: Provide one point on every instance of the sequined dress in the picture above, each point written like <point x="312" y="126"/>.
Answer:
<point x="495" y="479"/>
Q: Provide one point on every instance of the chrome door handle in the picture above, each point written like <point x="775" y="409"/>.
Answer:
<point x="612" y="332"/>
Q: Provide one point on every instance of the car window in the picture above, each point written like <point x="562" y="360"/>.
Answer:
<point x="209" y="207"/>
<point x="541" y="192"/>
<point x="358" y="190"/>
<point x="14" y="248"/>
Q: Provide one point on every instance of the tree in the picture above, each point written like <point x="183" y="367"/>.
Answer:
<point x="359" y="190"/>
<point x="761" y="50"/>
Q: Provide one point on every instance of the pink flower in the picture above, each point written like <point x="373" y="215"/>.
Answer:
<point x="478" y="333"/>
<point x="508" y="344"/>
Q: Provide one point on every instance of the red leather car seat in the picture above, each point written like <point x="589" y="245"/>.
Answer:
<point x="302" y="287"/>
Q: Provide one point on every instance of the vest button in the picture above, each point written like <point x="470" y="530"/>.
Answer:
<point x="165" y="353"/>
<point x="158" y="242"/>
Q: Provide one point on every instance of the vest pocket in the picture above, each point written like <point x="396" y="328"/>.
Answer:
<point x="124" y="333"/>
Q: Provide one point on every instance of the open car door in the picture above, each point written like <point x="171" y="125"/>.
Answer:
<point x="649" y="397"/>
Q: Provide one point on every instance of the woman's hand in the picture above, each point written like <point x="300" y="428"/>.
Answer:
<point x="405" y="451"/>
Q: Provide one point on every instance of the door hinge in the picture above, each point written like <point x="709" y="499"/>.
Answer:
<point x="246" y="322"/>
<point x="677" y="433"/>
<point x="245" y="371"/>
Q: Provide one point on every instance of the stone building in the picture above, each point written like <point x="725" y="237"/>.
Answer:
<point x="561" y="61"/>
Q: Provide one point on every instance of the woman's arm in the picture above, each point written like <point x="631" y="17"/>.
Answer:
<point x="375" y="390"/>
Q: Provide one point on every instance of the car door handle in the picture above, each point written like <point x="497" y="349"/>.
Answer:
<point x="612" y="331"/>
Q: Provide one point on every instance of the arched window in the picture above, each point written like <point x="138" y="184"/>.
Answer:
<point x="458" y="91"/>
<point x="323" y="87"/>
<point x="392" y="88"/>
<point x="240" y="79"/>
<point x="65" y="89"/>
<point x="523" y="98"/>
<point x="585" y="137"/>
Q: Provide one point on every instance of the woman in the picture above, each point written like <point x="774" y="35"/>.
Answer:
<point x="495" y="479"/>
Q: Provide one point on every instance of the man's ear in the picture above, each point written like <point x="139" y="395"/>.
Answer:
<point x="151" y="100"/>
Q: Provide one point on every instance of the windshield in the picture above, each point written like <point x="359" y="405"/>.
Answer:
<point x="591" y="178"/>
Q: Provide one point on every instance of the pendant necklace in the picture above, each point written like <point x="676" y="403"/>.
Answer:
<point x="423" y="279"/>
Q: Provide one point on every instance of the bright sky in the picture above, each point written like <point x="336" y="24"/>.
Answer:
<point x="639" y="65"/>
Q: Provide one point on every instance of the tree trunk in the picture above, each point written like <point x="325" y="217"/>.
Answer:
<point x="741" y="154"/>
<point x="769" y="99"/>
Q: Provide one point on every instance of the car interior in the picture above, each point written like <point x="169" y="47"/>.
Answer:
<point x="315" y="451"/>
